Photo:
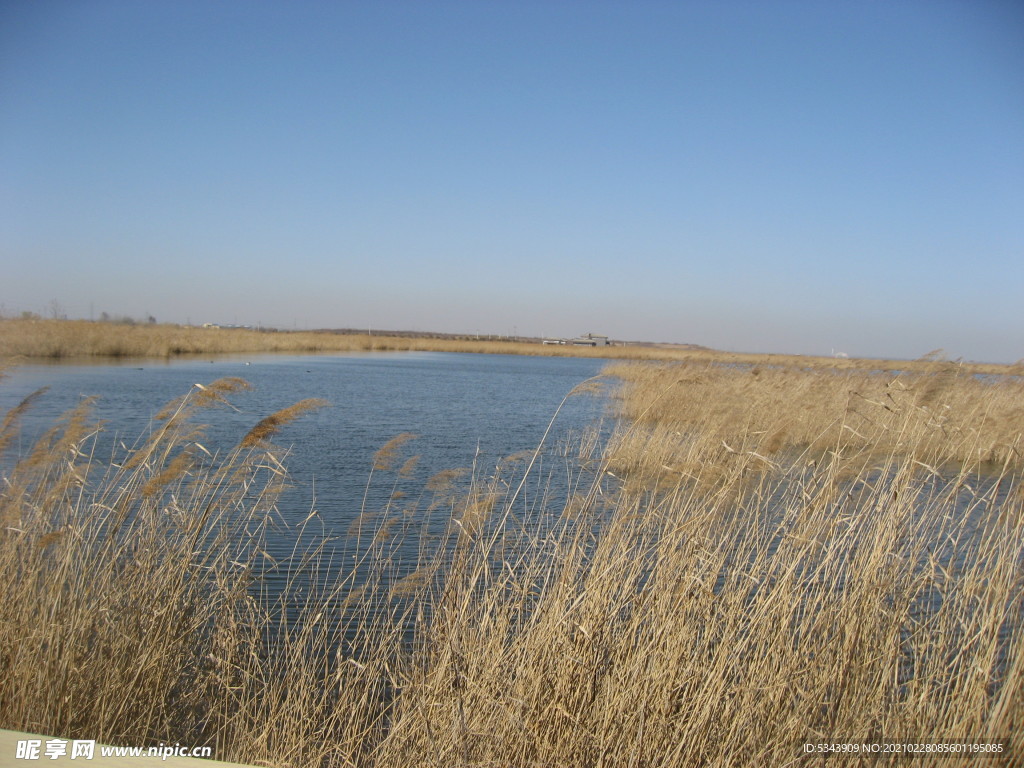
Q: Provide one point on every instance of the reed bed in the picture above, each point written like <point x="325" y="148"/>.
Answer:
<point x="698" y="415"/>
<point x="734" y="574"/>
<point x="62" y="339"/>
<point x="69" y="339"/>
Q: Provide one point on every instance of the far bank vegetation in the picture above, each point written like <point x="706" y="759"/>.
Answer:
<point x="59" y="339"/>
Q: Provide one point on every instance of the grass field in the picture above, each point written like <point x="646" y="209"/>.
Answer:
<point x="761" y="557"/>
<point x="72" y="339"/>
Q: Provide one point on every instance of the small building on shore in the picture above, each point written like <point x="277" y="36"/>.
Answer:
<point x="589" y="340"/>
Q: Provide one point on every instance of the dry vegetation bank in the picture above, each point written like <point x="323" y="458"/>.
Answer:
<point x="940" y="413"/>
<point x="60" y="339"/>
<point x="757" y="560"/>
<point x="82" y="339"/>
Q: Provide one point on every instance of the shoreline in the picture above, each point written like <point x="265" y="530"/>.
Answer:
<point x="83" y="341"/>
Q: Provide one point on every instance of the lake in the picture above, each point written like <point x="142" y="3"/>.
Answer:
<point x="466" y="410"/>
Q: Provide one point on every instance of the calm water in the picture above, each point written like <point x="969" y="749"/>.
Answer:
<point x="464" y="408"/>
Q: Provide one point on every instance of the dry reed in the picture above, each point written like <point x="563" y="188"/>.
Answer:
<point x="271" y="425"/>
<point x="70" y="339"/>
<point x="757" y="561"/>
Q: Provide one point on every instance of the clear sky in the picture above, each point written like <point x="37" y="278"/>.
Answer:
<point x="790" y="176"/>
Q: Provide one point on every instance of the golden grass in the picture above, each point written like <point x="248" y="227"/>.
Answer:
<point x="79" y="338"/>
<point x="759" y="576"/>
<point x="271" y="425"/>
<point x="708" y="414"/>
<point x="69" y="339"/>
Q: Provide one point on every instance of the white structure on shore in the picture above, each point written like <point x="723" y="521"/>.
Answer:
<point x="590" y="340"/>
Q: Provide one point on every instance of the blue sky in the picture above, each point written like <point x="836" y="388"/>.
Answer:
<point x="753" y="176"/>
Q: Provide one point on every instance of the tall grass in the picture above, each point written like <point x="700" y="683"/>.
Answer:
<point x="709" y="591"/>
<point x="59" y="339"/>
<point x="698" y="415"/>
<point x="63" y="339"/>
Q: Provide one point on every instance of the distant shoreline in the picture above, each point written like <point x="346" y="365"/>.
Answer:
<point x="48" y="339"/>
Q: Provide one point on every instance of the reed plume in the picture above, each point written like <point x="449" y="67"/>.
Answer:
<point x="384" y="458"/>
<point x="270" y="425"/>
